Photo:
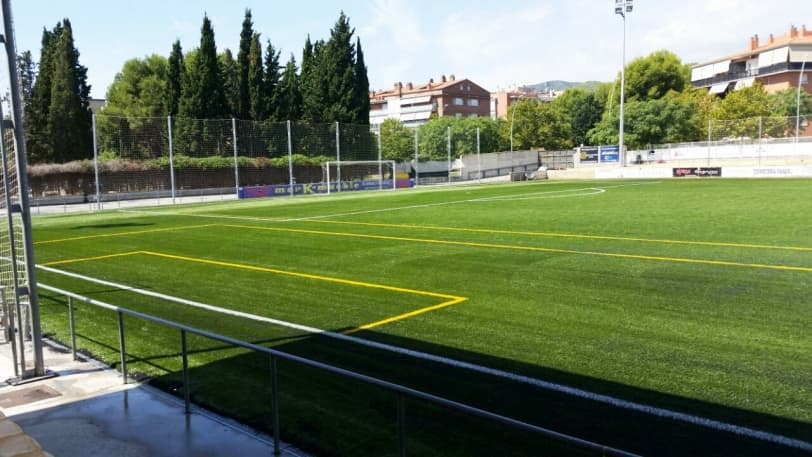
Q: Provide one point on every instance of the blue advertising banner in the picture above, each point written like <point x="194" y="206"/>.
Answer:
<point x="589" y="154"/>
<point x="283" y="190"/>
<point x="609" y="154"/>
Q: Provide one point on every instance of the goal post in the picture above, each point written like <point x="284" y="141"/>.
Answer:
<point x="360" y="175"/>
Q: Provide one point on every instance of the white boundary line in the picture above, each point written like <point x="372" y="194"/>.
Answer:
<point x="580" y="393"/>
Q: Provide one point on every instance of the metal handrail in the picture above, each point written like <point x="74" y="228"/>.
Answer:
<point x="401" y="391"/>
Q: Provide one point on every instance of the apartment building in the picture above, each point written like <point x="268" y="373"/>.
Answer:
<point x="777" y="64"/>
<point x="416" y="104"/>
<point x="504" y="98"/>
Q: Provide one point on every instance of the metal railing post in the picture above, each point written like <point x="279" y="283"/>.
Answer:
<point x="72" y="318"/>
<point x="187" y="397"/>
<point x="121" y="346"/>
<point x="402" y="423"/>
<point x="275" y="406"/>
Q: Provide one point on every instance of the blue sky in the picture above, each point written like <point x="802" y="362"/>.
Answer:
<point x="495" y="44"/>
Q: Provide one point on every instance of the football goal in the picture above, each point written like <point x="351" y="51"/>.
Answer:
<point x="359" y="175"/>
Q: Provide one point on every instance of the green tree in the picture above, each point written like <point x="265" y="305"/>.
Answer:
<point x="397" y="141"/>
<point x="258" y="104"/>
<point x="57" y="114"/>
<point x="540" y="125"/>
<point x="244" y="63"/>
<point x="361" y="86"/>
<point x="230" y="74"/>
<point x="653" y="76"/>
<point x="583" y="110"/>
<point x="288" y="95"/>
<point x="203" y="95"/>
<point x="176" y="73"/>
<point x="139" y="89"/>
<point x="313" y="85"/>
<point x="272" y="77"/>
<point x="28" y="74"/>
<point x="338" y="72"/>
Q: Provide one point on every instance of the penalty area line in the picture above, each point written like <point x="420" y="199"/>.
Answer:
<point x="560" y="388"/>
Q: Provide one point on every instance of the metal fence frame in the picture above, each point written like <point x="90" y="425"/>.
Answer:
<point x="402" y="392"/>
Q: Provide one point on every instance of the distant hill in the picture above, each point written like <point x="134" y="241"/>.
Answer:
<point x="562" y="85"/>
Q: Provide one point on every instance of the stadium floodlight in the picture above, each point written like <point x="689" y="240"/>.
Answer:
<point x="623" y="7"/>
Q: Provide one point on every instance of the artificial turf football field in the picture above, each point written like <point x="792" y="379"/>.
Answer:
<point x="661" y="317"/>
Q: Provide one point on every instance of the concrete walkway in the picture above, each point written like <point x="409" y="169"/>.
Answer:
<point x="85" y="410"/>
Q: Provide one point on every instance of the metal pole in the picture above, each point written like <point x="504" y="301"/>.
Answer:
<point x="479" y="158"/>
<point x="22" y="180"/>
<point x="512" y="115"/>
<point x="13" y="251"/>
<point x="338" y="158"/>
<point x="236" y="162"/>
<point x="10" y="329"/>
<point x="171" y="159"/>
<point x="380" y="164"/>
<point x="72" y="319"/>
<point x="275" y="406"/>
<point x="710" y="128"/>
<point x="621" y="153"/>
<point x="402" y="423"/>
<point x="798" y="102"/>
<point x="187" y="397"/>
<point x="449" y="154"/>
<point x="760" y="129"/>
<point x="121" y="347"/>
<point x="416" y="159"/>
<point x="290" y="160"/>
<point x="96" y="164"/>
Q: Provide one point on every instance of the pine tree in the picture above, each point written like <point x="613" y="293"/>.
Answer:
<point x="361" y="107"/>
<point x="58" y="118"/>
<point x="288" y="94"/>
<point x="256" y="81"/>
<point x="244" y="60"/>
<point x="312" y="84"/>
<point x="175" y="76"/>
<point x="202" y="96"/>
<point x="230" y="73"/>
<point x="338" y="70"/>
<point x="272" y="76"/>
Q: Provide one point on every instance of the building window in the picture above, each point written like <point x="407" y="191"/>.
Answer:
<point x="805" y="78"/>
<point x="458" y="115"/>
<point x="458" y="101"/>
<point x="473" y="115"/>
<point x="473" y="102"/>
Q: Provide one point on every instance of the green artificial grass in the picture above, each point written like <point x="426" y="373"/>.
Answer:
<point x="687" y="295"/>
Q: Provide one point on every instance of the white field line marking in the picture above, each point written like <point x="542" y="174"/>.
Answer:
<point x="580" y="393"/>
<point x="381" y="210"/>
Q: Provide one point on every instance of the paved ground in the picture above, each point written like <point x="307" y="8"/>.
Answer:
<point x="86" y="411"/>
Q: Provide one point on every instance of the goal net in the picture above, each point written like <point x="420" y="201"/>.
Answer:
<point x="359" y="175"/>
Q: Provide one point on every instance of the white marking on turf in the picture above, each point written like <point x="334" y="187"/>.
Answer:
<point x="580" y="393"/>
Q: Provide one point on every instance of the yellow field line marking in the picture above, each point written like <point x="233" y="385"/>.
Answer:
<point x="567" y="235"/>
<point x="88" y="259"/>
<point x="135" y="232"/>
<point x="406" y="315"/>
<point x="532" y="248"/>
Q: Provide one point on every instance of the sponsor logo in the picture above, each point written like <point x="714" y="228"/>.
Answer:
<point x="694" y="171"/>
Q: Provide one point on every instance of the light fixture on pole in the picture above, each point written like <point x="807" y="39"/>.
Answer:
<point x="622" y="7"/>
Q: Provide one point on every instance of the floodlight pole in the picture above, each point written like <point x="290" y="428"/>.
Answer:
<point x="512" y="115"/>
<point x="622" y="7"/>
<point x="798" y="102"/>
<point x="22" y="181"/>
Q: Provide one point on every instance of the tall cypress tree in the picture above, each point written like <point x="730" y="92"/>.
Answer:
<point x="244" y="63"/>
<point x="27" y="75"/>
<point x="57" y="114"/>
<point x="272" y="76"/>
<point x="338" y="70"/>
<point x="312" y="83"/>
<point x="175" y="75"/>
<point x="203" y="96"/>
<point x="288" y="95"/>
<point x="361" y="86"/>
<point x="256" y="82"/>
<point x="230" y="73"/>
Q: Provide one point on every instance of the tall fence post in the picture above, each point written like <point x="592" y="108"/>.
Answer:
<point x="122" y="348"/>
<point x="290" y="161"/>
<point x="710" y="130"/>
<point x="760" y="129"/>
<point x="72" y="319"/>
<point x="187" y="396"/>
<point x="416" y="159"/>
<point x="380" y="164"/>
<point x="236" y="162"/>
<point x="338" y="157"/>
<point x="448" y="147"/>
<point x="96" y="163"/>
<point x="275" y="406"/>
<point x="478" y="158"/>
<point x="9" y="315"/>
<point x="171" y="159"/>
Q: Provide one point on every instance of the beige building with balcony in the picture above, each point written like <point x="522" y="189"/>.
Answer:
<point x="777" y="64"/>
